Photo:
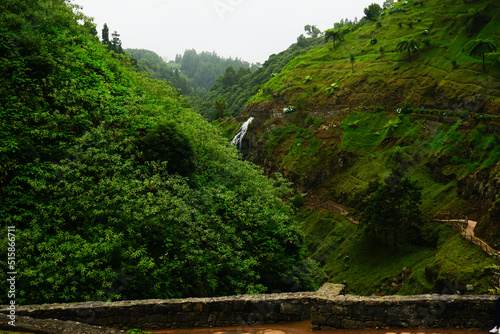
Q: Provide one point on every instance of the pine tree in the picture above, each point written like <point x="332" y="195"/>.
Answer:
<point x="116" y="43"/>
<point x="105" y="34"/>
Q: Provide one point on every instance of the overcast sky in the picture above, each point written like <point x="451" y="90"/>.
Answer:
<point x="248" y="29"/>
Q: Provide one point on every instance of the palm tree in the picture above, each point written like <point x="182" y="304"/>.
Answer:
<point x="352" y="58"/>
<point x="473" y="21"/>
<point x="480" y="47"/>
<point x="333" y="35"/>
<point x="408" y="45"/>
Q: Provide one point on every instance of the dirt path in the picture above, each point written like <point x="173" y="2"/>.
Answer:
<point x="305" y="327"/>
<point x="314" y="203"/>
<point x="467" y="233"/>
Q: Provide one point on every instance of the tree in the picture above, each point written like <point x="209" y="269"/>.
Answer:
<point x="352" y="59"/>
<point x="372" y="12"/>
<point x="408" y="45"/>
<point x="312" y="31"/>
<point x="480" y="48"/>
<point x="473" y="21"/>
<point x="166" y="142"/>
<point x="388" y="3"/>
<point x="105" y="34"/>
<point x="220" y="106"/>
<point x="90" y="27"/>
<point x="333" y="34"/>
<point x="392" y="208"/>
<point x="116" y="43"/>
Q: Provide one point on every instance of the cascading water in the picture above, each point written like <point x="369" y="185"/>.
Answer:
<point x="238" y="138"/>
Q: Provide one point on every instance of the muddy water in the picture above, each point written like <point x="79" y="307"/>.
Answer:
<point x="305" y="327"/>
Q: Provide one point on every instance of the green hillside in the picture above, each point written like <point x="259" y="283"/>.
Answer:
<point x="113" y="189"/>
<point x="337" y="119"/>
<point x="442" y="75"/>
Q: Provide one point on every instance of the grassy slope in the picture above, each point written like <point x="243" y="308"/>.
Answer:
<point x="386" y="78"/>
<point x="367" y="266"/>
<point x="347" y="143"/>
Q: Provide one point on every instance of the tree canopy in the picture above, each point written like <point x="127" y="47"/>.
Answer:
<point x="392" y="208"/>
<point x="334" y="35"/>
<point x="373" y="11"/>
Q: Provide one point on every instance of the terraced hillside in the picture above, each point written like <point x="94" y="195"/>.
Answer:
<point x="337" y="118"/>
<point x="442" y="75"/>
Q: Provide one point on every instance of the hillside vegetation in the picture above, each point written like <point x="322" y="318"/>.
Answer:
<point x="232" y="90"/>
<point x="340" y="119"/>
<point x="441" y="75"/>
<point x="115" y="188"/>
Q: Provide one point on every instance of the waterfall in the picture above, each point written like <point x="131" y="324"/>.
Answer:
<point x="238" y="138"/>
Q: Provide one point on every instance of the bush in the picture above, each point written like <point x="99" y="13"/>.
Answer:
<point x="331" y="89"/>
<point x="406" y="109"/>
<point x="167" y="143"/>
<point x="297" y="200"/>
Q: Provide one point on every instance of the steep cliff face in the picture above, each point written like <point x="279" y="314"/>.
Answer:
<point x="331" y="155"/>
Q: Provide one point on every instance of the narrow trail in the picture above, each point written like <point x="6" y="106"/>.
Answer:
<point x="330" y="206"/>
<point x="466" y="232"/>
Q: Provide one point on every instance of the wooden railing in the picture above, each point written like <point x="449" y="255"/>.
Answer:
<point x="478" y="242"/>
<point x="459" y="224"/>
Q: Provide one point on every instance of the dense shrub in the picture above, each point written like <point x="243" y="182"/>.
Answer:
<point x="166" y="143"/>
<point x="297" y="200"/>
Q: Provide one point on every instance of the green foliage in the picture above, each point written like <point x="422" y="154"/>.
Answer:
<point x="297" y="200"/>
<point x="392" y="208"/>
<point x="166" y="143"/>
<point x="220" y="106"/>
<point x="312" y="31"/>
<point x="150" y="62"/>
<point x="473" y="21"/>
<point x="406" y="109"/>
<point x="136" y="331"/>
<point x="479" y="48"/>
<point x="204" y="68"/>
<point x="118" y="191"/>
<point x="334" y="35"/>
<point x="331" y="89"/>
<point x="245" y="83"/>
<point x="352" y="59"/>
<point x="373" y="11"/>
<point x="408" y="45"/>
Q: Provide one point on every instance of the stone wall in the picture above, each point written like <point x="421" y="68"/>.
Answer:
<point x="423" y="311"/>
<point x="327" y="309"/>
<point x="181" y="313"/>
